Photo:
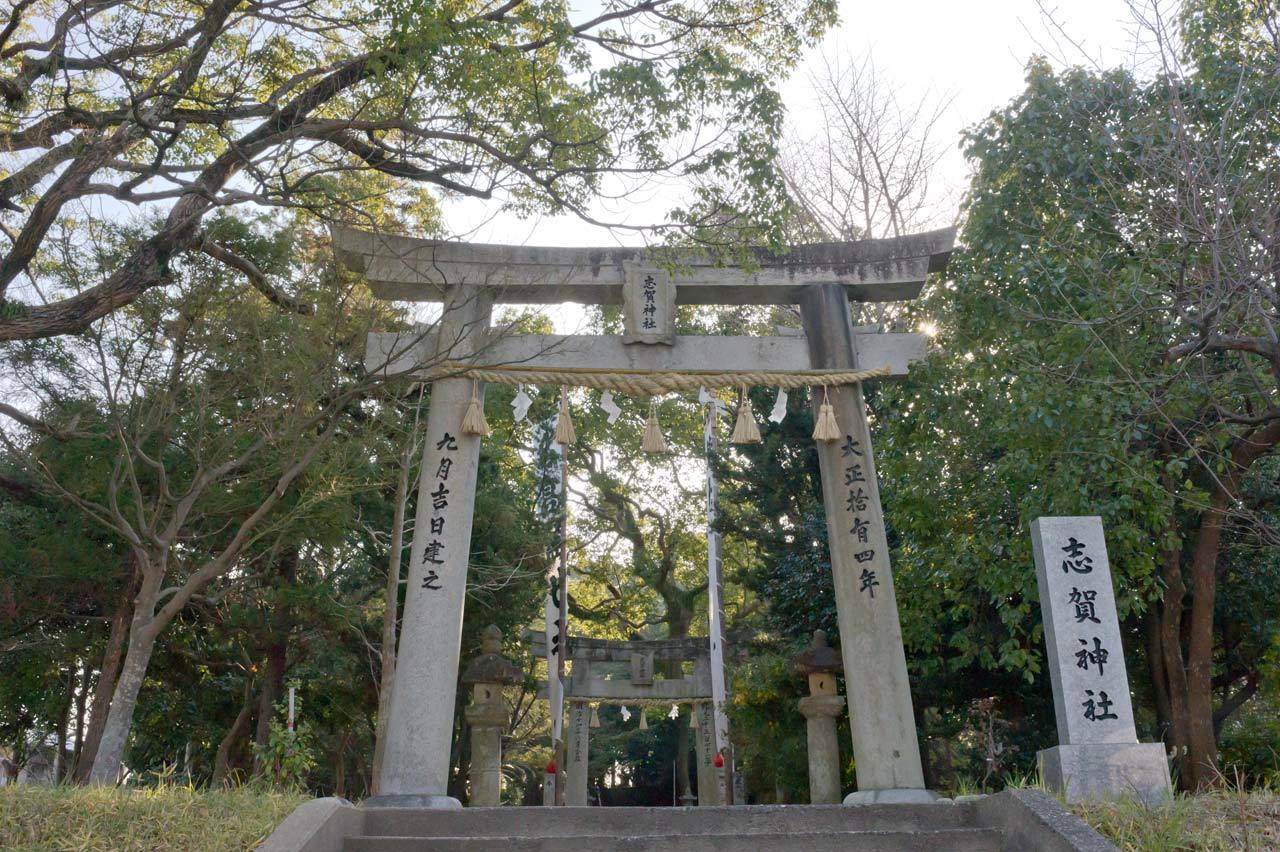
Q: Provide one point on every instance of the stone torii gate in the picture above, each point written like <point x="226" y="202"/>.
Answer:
<point x="597" y="676"/>
<point x="469" y="278"/>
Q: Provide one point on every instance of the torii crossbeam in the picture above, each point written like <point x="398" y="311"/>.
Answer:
<point x="821" y="279"/>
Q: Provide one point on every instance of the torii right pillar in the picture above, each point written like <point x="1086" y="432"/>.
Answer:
<point x="885" y="749"/>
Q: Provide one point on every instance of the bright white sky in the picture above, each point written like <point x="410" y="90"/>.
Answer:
<point x="971" y="50"/>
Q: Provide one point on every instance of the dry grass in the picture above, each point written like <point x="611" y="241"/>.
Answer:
<point x="1225" y="821"/>
<point x="71" y="819"/>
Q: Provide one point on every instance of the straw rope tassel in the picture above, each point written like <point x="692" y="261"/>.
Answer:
<point x="595" y="717"/>
<point x="745" y="429"/>
<point x="473" y="422"/>
<point x="564" y="423"/>
<point x="826" y="429"/>
<point x="644" y="720"/>
<point x="650" y="383"/>
<point x="653" y="442"/>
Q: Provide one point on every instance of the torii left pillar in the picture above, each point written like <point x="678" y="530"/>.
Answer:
<point x="415" y="769"/>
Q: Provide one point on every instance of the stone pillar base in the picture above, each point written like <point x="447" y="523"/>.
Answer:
<point x="899" y="796"/>
<point x="430" y="801"/>
<point x="1107" y="771"/>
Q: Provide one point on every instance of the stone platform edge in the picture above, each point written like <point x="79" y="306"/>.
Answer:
<point x="320" y="825"/>
<point x="1032" y="819"/>
<point x="1029" y="819"/>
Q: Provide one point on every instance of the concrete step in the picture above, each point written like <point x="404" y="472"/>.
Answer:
<point x="953" y="840"/>
<point x="584" y="822"/>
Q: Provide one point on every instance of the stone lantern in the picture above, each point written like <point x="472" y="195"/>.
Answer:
<point x="488" y="716"/>
<point x="821" y="707"/>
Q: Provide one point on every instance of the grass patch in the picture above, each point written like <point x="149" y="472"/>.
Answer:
<point x="1225" y="821"/>
<point x="106" y="819"/>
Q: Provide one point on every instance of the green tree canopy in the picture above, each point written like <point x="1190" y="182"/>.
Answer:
<point x="361" y="110"/>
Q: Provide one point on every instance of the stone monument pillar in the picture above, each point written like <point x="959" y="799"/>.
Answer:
<point x="882" y="723"/>
<point x="578" y="750"/>
<point x="821" y="707"/>
<point x="415" y="769"/>
<point x="710" y="789"/>
<point x="710" y="784"/>
<point x="1098" y="755"/>
<point x="488" y="716"/>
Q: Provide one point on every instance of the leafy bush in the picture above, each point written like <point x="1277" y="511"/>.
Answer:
<point x="288" y="755"/>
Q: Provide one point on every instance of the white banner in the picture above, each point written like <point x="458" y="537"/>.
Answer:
<point x="550" y="508"/>
<point x="714" y="581"/>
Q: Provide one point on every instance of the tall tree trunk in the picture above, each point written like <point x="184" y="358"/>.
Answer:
<point x="82" y="696"/>
<point x="1202" y="756"/>
<point x="285" y="571"/>
<point x="340" y="767"/>
<point x="460" y="753"/>
<point x="222" y="760"/>
<point x="124" y="699"/>
<point x="1182" y="670"/>
<point x="682" y="760"/>
<point x="64" y="725"/>
<point x="1156" y="671"/>
<point x="679" y="616"/>
<point x="272" y="684"/>
<point x="391" y="612"/>
<point x="920" y="709"/>
<point x="1173" y="666"/>
<point x="1191" y="688"/>
<point x="362" y="771"/>
<point x="107" y="674"/>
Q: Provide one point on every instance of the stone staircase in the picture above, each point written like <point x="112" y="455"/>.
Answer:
<point x="1008" y="822"/>
<point x="873" y="828"/>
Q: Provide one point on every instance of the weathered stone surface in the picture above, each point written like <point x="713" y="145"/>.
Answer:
<point x="886" y="752"/>
<point x="1082" y="632"/>
<point x="319" y="825"/>
<point x="675" y="690"/>
<point x="487" y="716"/>
<point x="577" y="754"/>
<point x="898" y="796"/>
<point x="620" y="650"/>
<point x="642" y="668"/>
<point x="820" y="663"/>
<point x="1098" y="756"/>
<point x="1032" y="820"/>
<point x="710" y="792"/>
<point x="486" y="765"/>
<point x="1099" y="771"/>
<point x="491" y="666"/>
<point x="820" y="713"/>
<point x="393" y="353"/>
<point x="1011" y="821"/>
<point x="648" y="305"/>
<point x="819" y="657"/>
<point x="468" y="278"/>
<point x="418" y="269"/>
<point x="420" y="721"/>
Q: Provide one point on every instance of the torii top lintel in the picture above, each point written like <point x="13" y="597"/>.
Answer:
<point x="416" y="269"/>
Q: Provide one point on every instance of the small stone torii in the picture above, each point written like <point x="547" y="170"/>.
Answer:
<point x="468" y="279"/>
<point x="596" y="678"/>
